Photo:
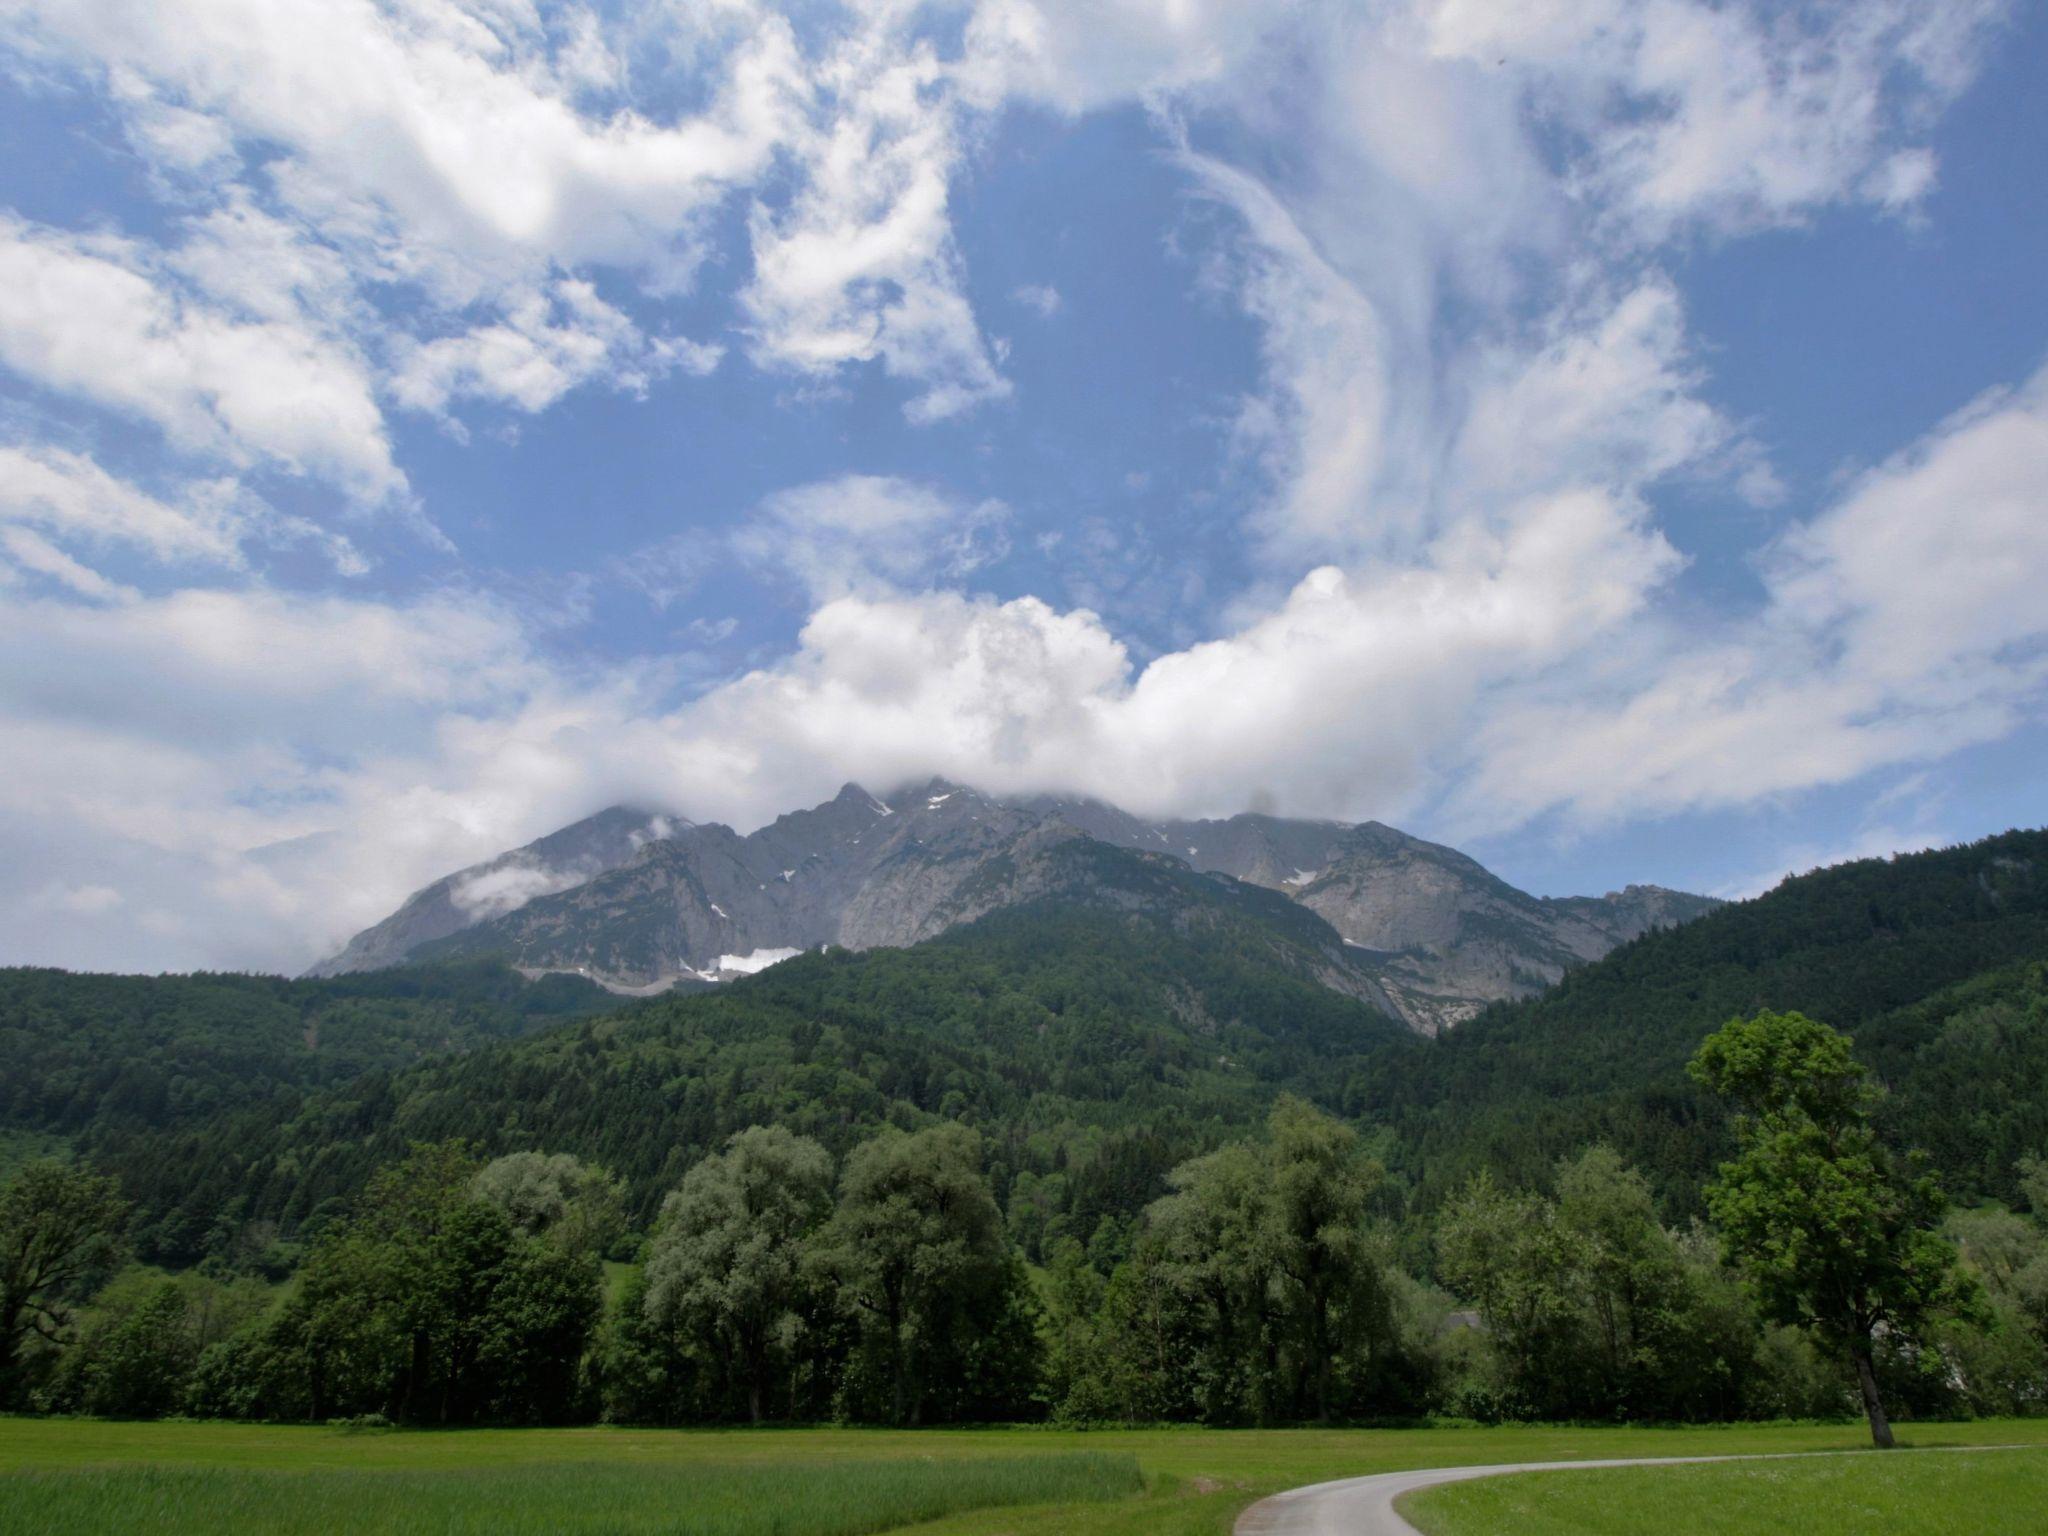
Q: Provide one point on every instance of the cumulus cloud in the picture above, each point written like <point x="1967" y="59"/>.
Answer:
<point x="292" y="769"/>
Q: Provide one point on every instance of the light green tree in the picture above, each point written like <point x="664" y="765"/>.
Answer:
<point x="574" y="1204"/>
<point x="918" y="1253"/>
<point x="1832" y="1232"/>
<point x="725" y="1270"/>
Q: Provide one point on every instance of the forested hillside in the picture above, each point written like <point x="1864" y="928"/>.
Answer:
<point x="1922" y="958"/>
<point x="1136" y="1015"/>
<point x="86" y="1058"/>
<point x="1094" y="1045"/>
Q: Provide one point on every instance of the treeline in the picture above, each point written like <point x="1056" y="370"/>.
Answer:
<point x="1092" y="1051"/>
<point x="780" y="1283"/>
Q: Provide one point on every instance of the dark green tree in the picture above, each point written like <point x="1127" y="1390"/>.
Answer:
<point x="60" y="1235"/>
<point x="920" y="1259"/>
<point x="1330" y="1286"/>
<point x="1834" y="1234"/>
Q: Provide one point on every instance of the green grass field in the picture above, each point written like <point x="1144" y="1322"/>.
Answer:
<point x="1993" y="1493"/>
<point x="206" y="1477"/>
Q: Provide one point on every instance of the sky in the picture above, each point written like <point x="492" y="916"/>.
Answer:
<point x="1610" y="436"/>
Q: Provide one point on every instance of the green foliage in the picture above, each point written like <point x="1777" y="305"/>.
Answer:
<point x="725" y="1271"/>
<point x="426" y="1305"/>
<point x="1094" y="1050"/>
<point x="1254" y="1291"/>
<point x="1932" y="960"/>
<point x="139" y="1342"/>
<point x="574" y="1204"/>
<point x="60" y="1235"/>
<point x="919" y="1262"/>
<point x="1594" y="1310"/>
<point x="128" y="1066"/>
<point x="1831" y="1232"/>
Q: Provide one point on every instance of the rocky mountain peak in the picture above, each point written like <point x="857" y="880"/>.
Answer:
<point x="641" y="900"/>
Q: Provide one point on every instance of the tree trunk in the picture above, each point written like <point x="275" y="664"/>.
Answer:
<point x="1873" y="1405"/>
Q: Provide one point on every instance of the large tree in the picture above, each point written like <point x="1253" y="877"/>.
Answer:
<point x="1330" y="1283"/>
<point x="1833" y="1232"/>
<point x="918" y="1252"/>
<point x="726" y="1266"/>
<point x="60" y="1232"/>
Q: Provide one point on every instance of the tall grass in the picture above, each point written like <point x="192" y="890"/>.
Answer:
<point x="563" y="1499"/>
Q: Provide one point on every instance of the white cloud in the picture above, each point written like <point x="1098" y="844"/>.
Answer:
<point x="1730" y="116"/>
<point x="291" y="769"/>
<point x="30" y="551"/>
<point x="86" y="315"/>
<point x="547" y="344"/>
<point x="446" y="132"/>
<point x="1451" y="222"/>
<point x="860" y="265"/>
<point x="1902" y="623"/>
<point x="68" y="496"/>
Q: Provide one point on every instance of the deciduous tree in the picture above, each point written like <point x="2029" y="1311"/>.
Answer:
<point x="1834" y="1234"/>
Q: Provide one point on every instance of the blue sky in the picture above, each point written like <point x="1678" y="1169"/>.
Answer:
<point x="1609" y="436"/>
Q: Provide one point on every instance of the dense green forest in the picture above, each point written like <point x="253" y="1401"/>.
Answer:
<point x="1094" y="1049"/>
<point x="1931" y="961"/>
<point x="1090" y="1082"/>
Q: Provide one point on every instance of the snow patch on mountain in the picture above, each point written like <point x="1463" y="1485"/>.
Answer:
<point x="756" y="960"/>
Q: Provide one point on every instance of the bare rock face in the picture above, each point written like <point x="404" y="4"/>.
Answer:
<point x="639" y="901"/>
<point x="559" y="861"/>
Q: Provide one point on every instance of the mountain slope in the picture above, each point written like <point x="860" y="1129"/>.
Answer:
<point x="1437" y="935"/>
<point x="1450" y="936"/>
<point x="1601" y="1056"/>
<point x="575" y="854"/>
<point x="84" y="1055"/>
<point x="1117" y="1017"/>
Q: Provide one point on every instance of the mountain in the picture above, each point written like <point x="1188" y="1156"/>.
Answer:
<point x="1932" y="962"/>
<point x="1447" y="935"/>
<point x="575" y="854"/>
<point x="1124" y="1015"/>
<point x="1111" y="1012"/>
<point x="640" y="902"/>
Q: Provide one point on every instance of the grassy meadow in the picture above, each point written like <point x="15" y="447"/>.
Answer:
<point x="1967" y="1493"/>
<point x="64" y="1476"/>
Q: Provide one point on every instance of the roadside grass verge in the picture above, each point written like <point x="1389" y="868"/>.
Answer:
<point x="1897" y="1493"/>
<point x="848" y="1498"/>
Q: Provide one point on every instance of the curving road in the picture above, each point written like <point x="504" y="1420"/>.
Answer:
<point x="1364" y="1506"/>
